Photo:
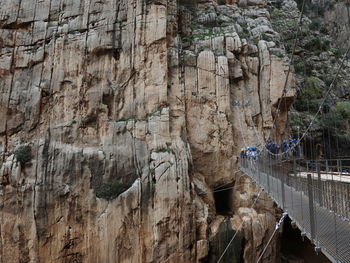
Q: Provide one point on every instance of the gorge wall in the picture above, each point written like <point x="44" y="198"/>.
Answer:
<point x="158" y="95"/>
<point x="322" y="68"/>
<point x="336" y="16"/>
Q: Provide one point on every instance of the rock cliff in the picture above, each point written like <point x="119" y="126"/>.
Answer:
<point x="152" y="97"/>
<point x="322" y="70"/>
<point x="336" y="18"/>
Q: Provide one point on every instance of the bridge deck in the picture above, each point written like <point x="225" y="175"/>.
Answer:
<point x="331" y="232"/>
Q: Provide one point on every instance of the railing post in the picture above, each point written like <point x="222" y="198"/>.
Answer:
<point x="339" y="169"/>
<point x="335" y="223"/>
<point x="268" y="175"/>
<point x="327" y="168"/>
<point x="339" y="166"/>
<point x="295" y="170"/>
<point x="319" y="184"/>
<point x="283" y="192"/>
<point x="256" y="170"/>
<point x="259" y="170"/>
<point x="311" y="207"/>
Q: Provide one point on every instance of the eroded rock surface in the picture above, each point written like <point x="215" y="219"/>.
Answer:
<point x="159" y="95"/>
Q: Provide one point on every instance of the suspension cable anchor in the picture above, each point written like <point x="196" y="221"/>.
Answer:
<point x="318" y="250"/>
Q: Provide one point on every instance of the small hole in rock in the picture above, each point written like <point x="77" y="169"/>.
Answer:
<point x="224" y="200"/>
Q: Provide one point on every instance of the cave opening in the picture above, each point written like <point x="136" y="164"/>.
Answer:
<point x="223" y="197"/>
<point x="295" y="249"/>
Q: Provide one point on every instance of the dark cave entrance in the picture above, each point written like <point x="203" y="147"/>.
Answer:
<point x="295" y="249"/>
<point x="223" y="197"/>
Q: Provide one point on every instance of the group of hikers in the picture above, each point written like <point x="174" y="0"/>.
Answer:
<point x="251" y="153"/>
<point x="290" y="147"/>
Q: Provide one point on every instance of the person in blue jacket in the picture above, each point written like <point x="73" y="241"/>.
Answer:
<point x="275" y="149"/>
<point x="269" y="147"/>
<point x="294" y="144"/>
<point x="285" y="148"/>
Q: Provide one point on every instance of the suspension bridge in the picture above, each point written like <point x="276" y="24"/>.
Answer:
<point x="316" y="196"/>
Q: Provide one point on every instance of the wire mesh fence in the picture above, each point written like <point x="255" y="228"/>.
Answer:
<point x="316" y="195"/>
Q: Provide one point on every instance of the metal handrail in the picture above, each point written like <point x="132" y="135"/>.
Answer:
<point x="316" y="200"/>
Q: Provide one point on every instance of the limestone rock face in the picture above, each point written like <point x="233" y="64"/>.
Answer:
<point x="336" y="16"/>
<point x="339" y="17"/>
<point x="128" y="91"/>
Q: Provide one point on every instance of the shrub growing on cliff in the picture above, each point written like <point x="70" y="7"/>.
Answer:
<point x="307" y="96"/>
<point x="275" y="13"/>
<point x="112" y="189"/>
<point x="314" y="25"/>
<point x="299" y="67"/>
<point x="342" y="109"/>
<point x="312" y="89"/>
<point x="316" y="44"/>
<point x="23" y="154"/>
<point x="336" y="52"/>
<point x="304" y="67"/>
<point x="338" y="117"/>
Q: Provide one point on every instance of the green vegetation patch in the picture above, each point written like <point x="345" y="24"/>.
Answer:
<point x="112" y="189"/>
<point x="23" y="154"/>
<point x="310" y="92"/>
<point x="164" y="150"/>
<point x="342" y="109"/>
<point x="336" y="119"/>
<point x="312" y="89"/>
<point x="317" y="44"/>
<point x="275" y="13"/>
<point x="297" y="123"/>
<point x="336" y="52"/>
<point x="314" y="25"/>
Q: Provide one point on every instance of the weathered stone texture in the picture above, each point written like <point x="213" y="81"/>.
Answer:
<point x="105" y="90"/>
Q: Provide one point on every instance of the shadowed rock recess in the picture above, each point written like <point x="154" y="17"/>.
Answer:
<point x="119" y="118"/>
